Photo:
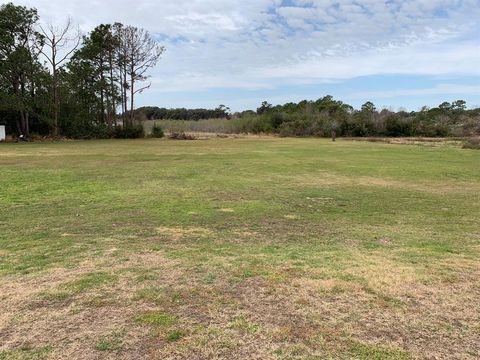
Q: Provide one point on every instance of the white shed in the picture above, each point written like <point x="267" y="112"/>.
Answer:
<point x="2" y="132"/>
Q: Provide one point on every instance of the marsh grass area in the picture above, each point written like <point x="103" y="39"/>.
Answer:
<point x="239" y="249"/>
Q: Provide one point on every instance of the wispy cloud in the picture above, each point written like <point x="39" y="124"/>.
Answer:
<point x="271" y="44"/>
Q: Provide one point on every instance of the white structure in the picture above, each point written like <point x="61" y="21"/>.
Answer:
<point x="2" y="132"/>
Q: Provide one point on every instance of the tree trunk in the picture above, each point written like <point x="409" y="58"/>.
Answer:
<point x="24" y="128"/>
<point x="27" y="124"/>
<point x="113" y="111"/>
<point x="23" y="112"/>
<point x="19" y="126"/>
<point x="125" y="105"/>
<point x="55" y="101"/>
<point x="102" y="95"/>
<point x="125" y="99"/>
<point x="131" y="100"/>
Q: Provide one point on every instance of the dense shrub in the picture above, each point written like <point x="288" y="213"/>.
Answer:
<point x="254" y="124"/>
<point x="472" y="143"/>
<point x="157" y="131"/>
<point x="156" y="113"/>
<point x="319" y="118"/>
<point x="277" y="119"/>
<point x="396" y="126"/>
<point x="85" y="130"/>
<point x="129" y="132"/>
<point x="466" y="126"/>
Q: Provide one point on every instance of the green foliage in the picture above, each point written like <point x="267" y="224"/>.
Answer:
<point x="319" y="118"/>
<point x="396" y="126"/>
<point x="19" y="64"/>
<point x="157" y="131"/>
<point x="264" y="108"/>
<point x="98" y="78"/>
<point x="156" y="113"/>
<point x="81" y="129"/>
<point x="175" y="335"/>
<point x="129" y="132"/>
<point x="258" y="125"/>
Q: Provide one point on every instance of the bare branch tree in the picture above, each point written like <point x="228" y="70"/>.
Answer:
<point x="56" y="40"/>
<point x="141" y="53"/>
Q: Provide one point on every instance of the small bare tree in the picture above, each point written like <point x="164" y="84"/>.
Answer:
<point x="60" y="43"/>
<point x="141" y="53"/>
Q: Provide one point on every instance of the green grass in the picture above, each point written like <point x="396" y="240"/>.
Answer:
<point x="243" y="324"/>
<point x="88" y="281"/>
<point x="375" y="352"/>
<point x="25" y="352"/>
<point x="156" y="319"/>
<point x="112" y="342"/>
<point x="174" y="335"/>
<point x="327" y="250"/>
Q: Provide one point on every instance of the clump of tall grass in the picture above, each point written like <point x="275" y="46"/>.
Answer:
<point x="248" y="124"/>
<point x="472" y="143"/>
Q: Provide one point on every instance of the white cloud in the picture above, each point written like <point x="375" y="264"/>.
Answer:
<point x="262" y="44"/>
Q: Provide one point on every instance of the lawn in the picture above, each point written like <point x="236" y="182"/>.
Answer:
<point x="251" y="248"/>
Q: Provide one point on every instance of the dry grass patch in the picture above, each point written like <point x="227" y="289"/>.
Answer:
<point x="227" y="210"/>
<point x="330" y="179"/>
<point x="71" y="308"/>
<point x="177" y="233"/>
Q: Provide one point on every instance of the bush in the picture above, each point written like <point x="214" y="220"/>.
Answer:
<point x="129" y="132"/>
<point x="472" y="143"/>
<point x="85" y="130"/>
<point x="296" y="127"/>
<point x="253" y="124"/>
<point x="277" y="119"/>
<point x="157" y="131"/>
<point x="396" y="126"/>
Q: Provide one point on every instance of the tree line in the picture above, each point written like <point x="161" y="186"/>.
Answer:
<point x="55" y="81"/>
<point x="326" y="115"/>
<point x="157" y="113"/>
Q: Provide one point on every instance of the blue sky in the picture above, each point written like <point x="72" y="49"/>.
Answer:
<point x="396" y="53"/>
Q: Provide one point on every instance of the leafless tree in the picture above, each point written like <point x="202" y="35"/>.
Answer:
<point x="140" y="52"/>
<point x="60" y="43"/>
<point x="121" y="68"/>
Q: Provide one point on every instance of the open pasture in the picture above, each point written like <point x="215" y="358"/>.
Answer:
<point x="247" y="248"/>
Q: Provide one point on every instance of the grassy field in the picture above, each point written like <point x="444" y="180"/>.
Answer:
<point x="239" y="249"/>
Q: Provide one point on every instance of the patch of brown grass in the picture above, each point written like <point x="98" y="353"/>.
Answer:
<point x="377" y="301"/>
<point x="74" y="326"/>
<point x="177" y="233"/>
<point x="329" y="179"/>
